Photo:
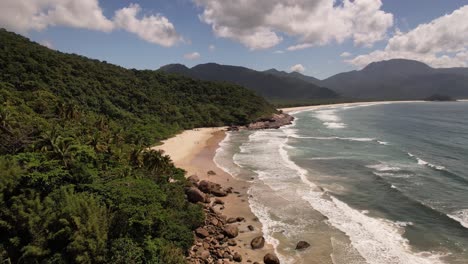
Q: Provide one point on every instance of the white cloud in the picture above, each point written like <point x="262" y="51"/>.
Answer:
<point x="300" y="46"/>
<point x="154" y="28"/>
<point x="346" y="54"/>
<point x="278" y="52"/>
<point x="26" y="15"/>
<point x="258" y="24"/>
<point x="298" y="68"/>
<point x="442" y="42"/>
<point x="47" y="43"/>
<point x="212" y="47"/>
<point x="192" y="56"/>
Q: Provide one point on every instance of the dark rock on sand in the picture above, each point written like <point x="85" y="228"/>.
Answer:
<point x="212" y="188"/>
<point x="193" y="179"/>
<point x="258" y="242"/>
<point x="231" y="220"/>
<point x="194" y="195"/>
<point x="271" y="259"/>
<point x="211" y="172"/>
<point x="237" y="257"/>
<point x="231" y="231"/>
<point x="302" y="245"/>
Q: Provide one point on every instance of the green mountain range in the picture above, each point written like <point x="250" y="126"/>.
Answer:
<point x="273" y="85"/>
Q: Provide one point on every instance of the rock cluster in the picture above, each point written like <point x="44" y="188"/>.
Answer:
<point x="274" y="122"/>
<point x="213" y="240"/>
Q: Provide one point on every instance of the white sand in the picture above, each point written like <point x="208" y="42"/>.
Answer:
<point x="187" y="144"/>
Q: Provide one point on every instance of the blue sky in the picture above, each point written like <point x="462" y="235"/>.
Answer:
<point x="368" y="32"/>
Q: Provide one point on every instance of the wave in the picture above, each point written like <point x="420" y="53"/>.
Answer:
<point x="384" y="167"/>
<point x="377" y="240"/>
<point x="425" y="163"/>
<point x="222" y="155"/>
<point x="460" y="216"/>
<point x="357" y="139"/>
<point x="330" y="119"/>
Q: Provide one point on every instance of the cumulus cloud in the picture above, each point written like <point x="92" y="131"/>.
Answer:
<point x="154" y="28"/>
<point x="192" y="56"/>
<point x="442" y="42"/>
<point x="345" y="54"/>
<point x="260" y="24"/>
<point x="25" y="15"/>
<point x="212" y="47"/>
<point x="298" y="68"/>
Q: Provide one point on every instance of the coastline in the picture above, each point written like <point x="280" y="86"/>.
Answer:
<point x="292" y="110"/>
<point x="193" y="151"/>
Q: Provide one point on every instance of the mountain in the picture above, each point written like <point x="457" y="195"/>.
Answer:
<point x="296" y="75"/>
<point x="400" y="79"/>
<point x="269" y="84"/>
<point x="78" y="183"/>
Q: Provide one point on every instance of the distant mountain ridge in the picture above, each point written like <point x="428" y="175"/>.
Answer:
<point x="270" y="84"/>
<point x="400" y="79"/>
<point x="397" y="79"/>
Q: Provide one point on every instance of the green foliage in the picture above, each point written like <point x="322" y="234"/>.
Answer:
<point x="78" y="183"/>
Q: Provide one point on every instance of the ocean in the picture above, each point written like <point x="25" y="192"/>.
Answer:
<point x="369" y="183"/>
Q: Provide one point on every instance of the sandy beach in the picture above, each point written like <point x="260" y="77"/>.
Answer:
<point x="315" y="107"/>
<point x="193" y="150"/>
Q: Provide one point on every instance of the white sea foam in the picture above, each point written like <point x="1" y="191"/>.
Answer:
<point x="379" y="241"/>
<point x="383" y="143"/>
<point x="384" y="167"/>
<point x="425" y="163"/>
<point x="330" y="119"/>
<point x="392" y="175"/>
<point x="222" y="155"/>
<point x="460" y="216"/>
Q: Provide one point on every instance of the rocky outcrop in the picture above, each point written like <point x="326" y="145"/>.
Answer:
<point x="212" y="188"/>
<point x="274" y="122"/>
<point x="302" y="245"/>
<point x="271" y="259"/>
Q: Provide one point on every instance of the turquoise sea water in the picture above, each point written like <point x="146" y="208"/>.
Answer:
<point x="383" y="183"/>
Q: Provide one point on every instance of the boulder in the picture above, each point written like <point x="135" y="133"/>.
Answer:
<point x="231" y="220"/>
<point x="193" y="179"/>
<point x="231" y="231"/>
<point x="271" y="259"/>
<point x="194" y="195"/>
<point x="257" y="242"/>
<point x="211" y="188"/>
<point x="202" y="232"/>
<point x="302" y="245"/>
<point x="237" y="257"/>
<point x="250" y="227"/>
<point x="210" y="172"/>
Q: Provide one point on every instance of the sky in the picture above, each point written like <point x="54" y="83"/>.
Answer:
<point x="319" y="38"/>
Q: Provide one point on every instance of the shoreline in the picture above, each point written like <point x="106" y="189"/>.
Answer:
<point x="292" y="110"/>
<point x="193" y="151"/>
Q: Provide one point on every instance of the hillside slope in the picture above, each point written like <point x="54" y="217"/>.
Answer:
<point x="269" y="85"/>
<point x="78" y="184"/>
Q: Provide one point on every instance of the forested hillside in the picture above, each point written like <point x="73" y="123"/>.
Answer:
<point x="272" y="86"/>
<point x="77" y="183"/>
